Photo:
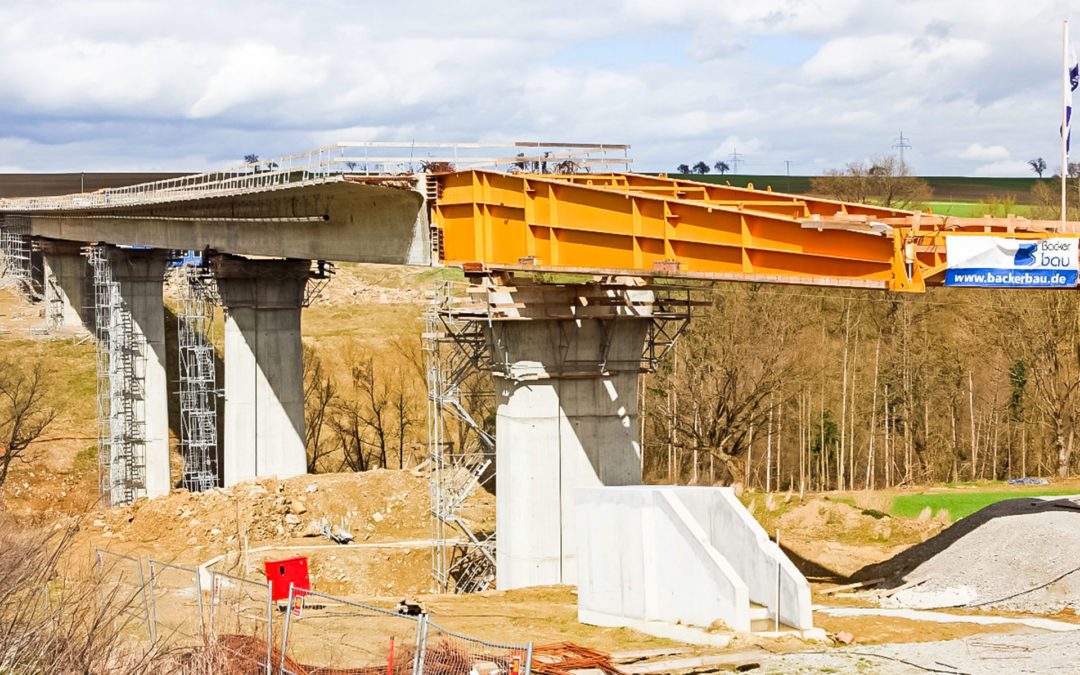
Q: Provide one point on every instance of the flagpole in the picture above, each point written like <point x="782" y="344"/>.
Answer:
<point x="1064" y="123"/>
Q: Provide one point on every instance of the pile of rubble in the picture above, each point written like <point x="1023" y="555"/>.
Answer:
<point x="1018" y="555"/>
<point x="373" y="506"/>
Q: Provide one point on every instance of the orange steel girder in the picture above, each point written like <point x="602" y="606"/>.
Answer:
<point x="630" y="224"/>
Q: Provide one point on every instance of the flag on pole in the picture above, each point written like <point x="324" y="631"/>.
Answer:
<point x="1072" y="75"/>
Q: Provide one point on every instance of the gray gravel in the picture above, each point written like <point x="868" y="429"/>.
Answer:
<point x="977" y="655"/>
<point x="1012" y="548"/>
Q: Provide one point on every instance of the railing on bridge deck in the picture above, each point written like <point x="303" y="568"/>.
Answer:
<point x="332" y="163"/>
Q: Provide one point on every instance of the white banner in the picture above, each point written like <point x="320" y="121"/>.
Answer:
<point x="1011" y="263"/>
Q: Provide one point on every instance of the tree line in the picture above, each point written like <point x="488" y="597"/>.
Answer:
<point x="703" y="168"/>
<point x="807" y="388"/>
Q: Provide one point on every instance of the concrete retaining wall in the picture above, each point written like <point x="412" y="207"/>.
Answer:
<point x="660" y="559"/>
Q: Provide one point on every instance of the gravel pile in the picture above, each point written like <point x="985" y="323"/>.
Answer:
<point x="1020" y="555"/>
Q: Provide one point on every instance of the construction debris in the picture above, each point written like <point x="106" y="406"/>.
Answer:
<point x="336" y="534"/>
<point x="561" y="658"/>
<point x="233" y="654"/>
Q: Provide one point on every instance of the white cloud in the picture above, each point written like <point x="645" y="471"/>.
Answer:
<point x="1005" y="167"/>
<point x="118" y="85"/>
<point x="257" y="73"/>
<point x="985" y="153"/>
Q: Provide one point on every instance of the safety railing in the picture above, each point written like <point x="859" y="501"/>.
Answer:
<point x="332" y="163"/>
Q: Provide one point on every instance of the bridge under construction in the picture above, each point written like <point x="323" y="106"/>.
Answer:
<point x="566" y="356"/>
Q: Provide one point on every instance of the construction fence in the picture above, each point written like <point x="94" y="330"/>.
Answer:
<point x="235" y="623"/>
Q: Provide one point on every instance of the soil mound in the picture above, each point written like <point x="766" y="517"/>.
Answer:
<point x="375" y="506"/>
<point x="1018" y="554"/>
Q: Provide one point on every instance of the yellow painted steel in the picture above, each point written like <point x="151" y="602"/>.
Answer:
<point x="656" y="226"/>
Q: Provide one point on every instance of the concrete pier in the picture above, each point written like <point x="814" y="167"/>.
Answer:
<point x="264" y="373"/>
<point x="566" y="382"/>
<point x="140" y="274"/>
<point x="67" y="282"/>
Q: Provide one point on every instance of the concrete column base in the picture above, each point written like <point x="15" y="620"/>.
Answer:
<point x="264" y="374"/>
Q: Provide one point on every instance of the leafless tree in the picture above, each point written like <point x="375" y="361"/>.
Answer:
<point x="351" y="432"/>
<point x="24" y="413"/>
<point x="1049" y="323"/>
<point x="884" y="181"/>
<point x="1038" y="165"/>
<point x="372" y="415"/>
<point x="742" y="350"/>
<point x="320" y="394"/>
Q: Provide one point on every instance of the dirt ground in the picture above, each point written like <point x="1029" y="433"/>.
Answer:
<point x="386" y="511"/>
<point x="830" y="540"/>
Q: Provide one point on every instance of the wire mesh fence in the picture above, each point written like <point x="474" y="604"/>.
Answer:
<point x="448" y="653"/>
<point x="242" y="615"/>
<point x="236" y="625"/>
<point x="122" y="583"/>
<point x="325" y="633"/>
<point x="176" y="605"/>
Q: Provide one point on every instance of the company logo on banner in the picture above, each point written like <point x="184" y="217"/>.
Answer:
<point x="1011" y="263"/>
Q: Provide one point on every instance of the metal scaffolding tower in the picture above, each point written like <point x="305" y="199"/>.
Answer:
<point x="54" y="303"/>
<point x="121" y="432"/>
<point x="462" y="453"/>
<point x="15" y="252"/>
<point x="199" y="392"/>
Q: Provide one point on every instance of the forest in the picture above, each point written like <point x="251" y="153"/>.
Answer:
<point x="804" y="388"/>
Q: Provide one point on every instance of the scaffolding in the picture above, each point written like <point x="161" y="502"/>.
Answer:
<point x="16" y="260"/>
<point x="461" y="451"/>
<point x="54" y="303"/>
<point x="199" y="392"/>
<point x="120" y="389"/>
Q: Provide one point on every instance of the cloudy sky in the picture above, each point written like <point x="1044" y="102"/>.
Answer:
<point x="111" y="85"/>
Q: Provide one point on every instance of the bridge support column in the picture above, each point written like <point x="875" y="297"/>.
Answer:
<point x="67" y="280"/>
<point x="264" y="373"/>
<point x="566" y="383"/>
<point x="140" y="276"/>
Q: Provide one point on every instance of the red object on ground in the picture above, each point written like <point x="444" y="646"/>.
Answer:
<point x="281" y="573"/>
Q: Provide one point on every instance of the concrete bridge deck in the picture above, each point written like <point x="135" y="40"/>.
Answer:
<point x="324" y="218"/>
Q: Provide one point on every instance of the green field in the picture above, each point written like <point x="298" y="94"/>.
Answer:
<point x="946" y="188"/>
<point x="971" y="209"/>
<point x="961" y="504"/>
